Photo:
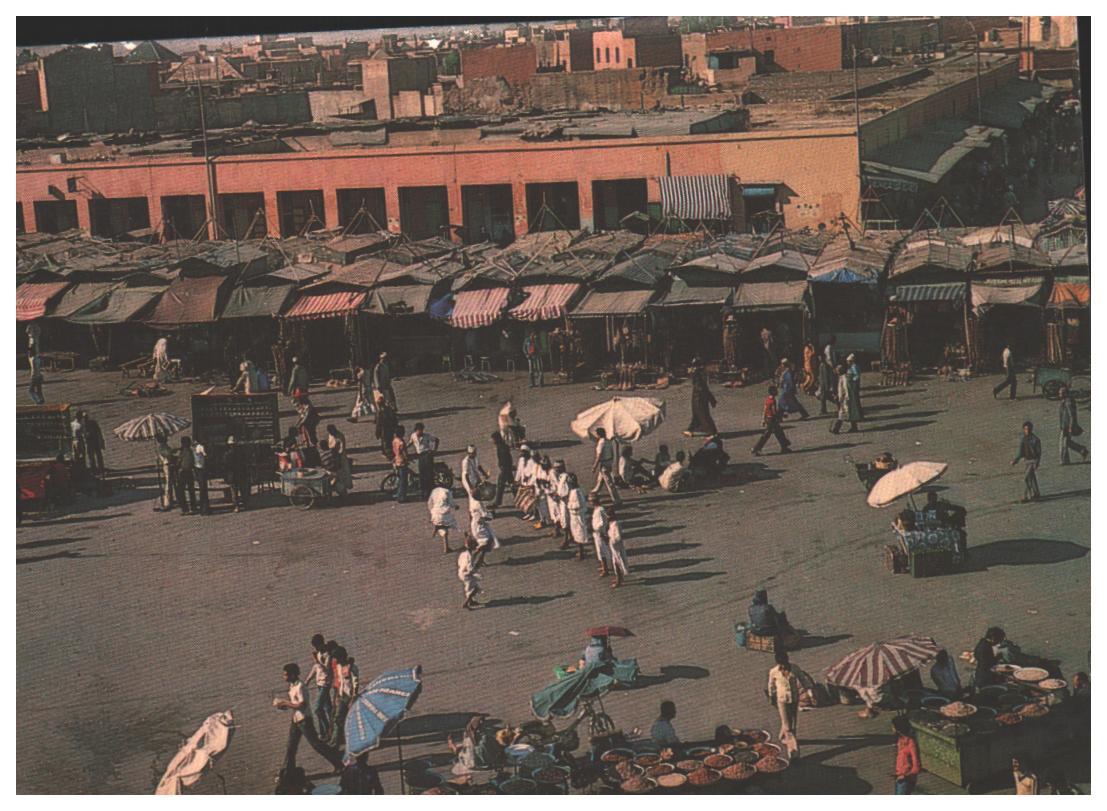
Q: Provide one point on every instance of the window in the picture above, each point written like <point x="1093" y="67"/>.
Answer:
<point x="597" y="55"/>
<point x="686" y="60"/>
<point x="616" y="54"/>
<point x="630" y="62"/>
<point x="607" y="55"/>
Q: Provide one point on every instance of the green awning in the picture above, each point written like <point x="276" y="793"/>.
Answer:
<point x="81" y="296"/>
<point x="258" y="301"/>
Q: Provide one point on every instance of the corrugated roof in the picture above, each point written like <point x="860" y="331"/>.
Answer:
<point x="645" y="268"/>
<point x="1011" y="256"/>
<point x="188" y="300"/>
<point x="612" y="302"/>
<point x="681" y="294"/>
<point x="930" y="254"/>
<point x="777" y="266"/>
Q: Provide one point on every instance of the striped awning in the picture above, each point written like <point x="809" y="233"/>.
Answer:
<point x="696" y="197"/>
<point x="612" y="302"/>
<point x="326" y="305"/>
<point x="478" y="308"/>
<point x="946" y="291"/>
<point x="32" y="300"/>
<point x="1070" y="295"/>
<point x="543" y="302"/>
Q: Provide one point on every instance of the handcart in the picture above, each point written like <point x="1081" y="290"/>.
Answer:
<point x="306" y="485"/>
<point x="1050" y="379"/>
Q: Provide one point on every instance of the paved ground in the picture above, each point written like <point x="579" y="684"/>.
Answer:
<point x="133" y="625"/>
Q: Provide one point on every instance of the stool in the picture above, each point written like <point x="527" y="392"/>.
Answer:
<point x="509" y="364"/>
<point x="485" y="364"/>
<point x="468" y="363"/>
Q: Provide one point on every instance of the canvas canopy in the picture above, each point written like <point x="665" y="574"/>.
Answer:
<point x="400" y="300"/>
<point x="696" y="197"/>
<point x="326" y="305"/>
<point x="122" y="305"/>
<point x="543" y="302"/>
<point x="948" y="291"/>
<point x="478" y="308"/>
<point x="32" y="300"/>
<point x="188" y="301"/>
<point x="1070" y="295"/>
<point x="258" y="300"/>
<point x="80" y="296"/>
<point x="771" y="296"/>
<point x="612" y="302"/>
<point x="987" y="294"/>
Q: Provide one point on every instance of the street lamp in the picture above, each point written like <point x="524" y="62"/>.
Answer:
<point x="979" y="107"/>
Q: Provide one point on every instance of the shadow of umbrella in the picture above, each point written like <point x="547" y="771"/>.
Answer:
<point x="1022" y="552"/>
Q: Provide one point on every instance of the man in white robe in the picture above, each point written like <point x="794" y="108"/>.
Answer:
<point x="599" y="533"/>
<point x="441" y="507"/>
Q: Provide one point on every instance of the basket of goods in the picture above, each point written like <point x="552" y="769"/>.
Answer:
<point x="703" y="777"/>
<point x="537" y="760"/>
<point x="771" y="765"/>
<point x="1008" y="719"/>
<point x="1031" y="675"/>
<point x="673" y="780"/>
<point x="718" y="761"/>
<point x="934" y="702"/>
<point x="747" y="756"/>
<point x="1033" y="710"/>
<point x="638" y="785"/>
<point x="986" y="713"/>
<point x="688" y="766"/>
<point x="1053" y="684"/>
<point x="739" y="772"/>
<point x="700" y="752"/>
<point x="954" y="729"/>
<point x="957" y="709"/>
<point x="550" y="775"/>
<point x="752" y="736"/>
<point x="518" y="785"/>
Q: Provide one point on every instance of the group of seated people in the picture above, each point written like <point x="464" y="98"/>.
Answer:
<point x="672" y="473"/>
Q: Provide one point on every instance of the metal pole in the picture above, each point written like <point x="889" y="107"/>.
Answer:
<point x="857" y="124"/>
<point x="214" y="230"/>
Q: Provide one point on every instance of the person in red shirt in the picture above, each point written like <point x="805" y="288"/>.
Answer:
<point x="770" y="420"/>
<point x="907" y="757"/>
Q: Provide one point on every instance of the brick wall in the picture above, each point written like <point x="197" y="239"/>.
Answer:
<point x="516" y="65"/>
<point x="613" y="89"/>
<point x="817" y="47"/>
<point x="885" y="36"/>
<point x="581" y="53"/>
<point x="694" y="53"/>
<point x="818" y="166"/>
<point x="959" y="29"/>
<point x="657" y="50"/>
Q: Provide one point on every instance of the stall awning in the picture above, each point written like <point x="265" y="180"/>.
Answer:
<point x="188" y="300"/>
<point x="478" y="308"/>
<point x="845" y="275"/>
<point x="32" y="300"/>
<point x="987" y="294"/>
<point x="258" y="301"/>
<point x="80" y="296"/>
<point x="543" y="302"/>
<point x="681" y="294"/>
<point x="771" y="296"/>
<point x="326" y="305"/>
<point x="696" y="197"/>
<point x="1070" y="295"/>
<point x="409" y="299"/>
<point x="947" y="291"/>
<point x="124" y="304"/>
<point x="612" y="302"/>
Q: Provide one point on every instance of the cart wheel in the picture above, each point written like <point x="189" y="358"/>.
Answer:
<point x="302" y="497"/>
<point x="388" y="483"/>
<point x="1052" y="389"/>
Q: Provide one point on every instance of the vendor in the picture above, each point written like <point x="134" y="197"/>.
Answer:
<point x="944" y="675"/>
<point x="711" y="459"/>
<point x="597" y="652"/>
<point x="482" y="746"/>
<point x="766" y="620"/>
<point x="662" y="732"/>
<point x="985" y="656"/>
<point x="905" y="521"/>
<point x="950" y="516"/>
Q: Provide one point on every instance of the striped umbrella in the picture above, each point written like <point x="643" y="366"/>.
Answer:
<point x="877" y="664"/>
<point x="142" y="428"/>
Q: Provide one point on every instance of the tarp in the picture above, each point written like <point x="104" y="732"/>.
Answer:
<point x="1072" y="295"/>
<point x="188" y="301"/>
<point x="696" y="197"/>
<point x="986" y="294"/>
<point x="543" y="302"/>
<point x="845" y="275"/>
<point x="122" y="305"/>
<point x="258" y="301"/>
<point x="478" y="308"/>
<point x="947" y="291"/>
<point x="326" y="305"/>
<point x="681" y="294"/>
<point x="442" y="308"/>
<point x="409" y="299"/>
<point x="612" y="302"/>
<point x="771" y="296"/>
<point x="32" y="300"/>
<point x="561" y="699"/>
<point x="81" y="296"/>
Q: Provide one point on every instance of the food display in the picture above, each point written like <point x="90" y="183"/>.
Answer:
<point x="1005" y="669"/>
<point x="1008" y="719"/>
<point x="718" y="761"/>
<point x="1053" y="684"/>
<point x="1030" y="674"/>
<point x="739" y="771"/>
<point x="647" y="760"/>
<point x="672" y="780"/>
<point x="766" y="749"/>
<point x="747" y="756"/>
<point x="957" y="709"/>
<point x="537" y="760"/>
<point x="1033" y="710"/>
<point x="637" y="785"/>
<point x="985" y="713"/>
<point x="752" y="736"/>
<point x="625" y="769"/>
<point x="550" y="774"/>
<point x="518" y="785"/>
<point x="688" y="766"/>
<point x="616" y="755"/>
<point x="955" y="729"/>
<point x="724" y="748"/>
<point x="771" y="764"/>
<point x="704" y="777"/>
<point x="700" y="752"/>
<point x="934" y="702"/>
<point x="660" y="770"/>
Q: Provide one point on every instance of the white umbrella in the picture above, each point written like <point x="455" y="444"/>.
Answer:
<point x="623" y="418"/>
<point x="904" y="480"/>
<point x="198" y="753"/>
<point x="141" y="428"/>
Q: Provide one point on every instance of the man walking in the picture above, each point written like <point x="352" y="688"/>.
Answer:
<point x="505" y="465"/>
<point x="1070" y="427"/>
<point x="238" y="474"/>
<point x="787" y="402"/>
<point x="302" y="726"/>
<point x="382" y="380"/>
<point x="424" y="445"/>
<point x="472" y="474"/>
<point x="1030" y="452"/>
<point x="399" y="463"/>
<point x="94" y="444"/>
<point x="298" y="380"/>
<point x="532" y="349"/>
<point x="827" y="382"/>
<point x="599" y="533"/>
<point x="186" y="477"/>
<point x="200" y="461"/>
<point x="784" y="691"/>
<point x="320" y="676"/>
<point x="848" y="408"/>
<point x="1009" y="371"/>
<point x="771" y="417"/>
<point x="603" y="465"/>
<point x="37" y="379"/>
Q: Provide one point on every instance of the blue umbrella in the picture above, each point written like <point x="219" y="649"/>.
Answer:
<point x="378" y="706"/>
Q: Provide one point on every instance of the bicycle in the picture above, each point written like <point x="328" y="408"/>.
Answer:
<point x="443" y="477"/>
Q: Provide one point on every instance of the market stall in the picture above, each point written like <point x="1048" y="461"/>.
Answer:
<point x="1068" y="322"/>
<point x="43" y="453"/>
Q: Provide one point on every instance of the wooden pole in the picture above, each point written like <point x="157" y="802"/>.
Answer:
<point x="400" y="756"/>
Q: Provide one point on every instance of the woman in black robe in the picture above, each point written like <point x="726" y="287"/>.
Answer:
<point x="702" y="403"/>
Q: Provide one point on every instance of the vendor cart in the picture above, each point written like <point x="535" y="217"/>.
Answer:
<point x="43" y="452"/>
<point x="304" y="486"/>
<point x="252" y="419"/>
<point x="925" y="551"/>
<point x="1050" y="379"/>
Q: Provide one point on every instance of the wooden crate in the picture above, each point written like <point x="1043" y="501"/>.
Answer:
<point x="766" y="644"/>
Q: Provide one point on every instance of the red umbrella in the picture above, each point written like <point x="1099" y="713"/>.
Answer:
<point x="879" y="663"/>
<point x="609" y="630"/>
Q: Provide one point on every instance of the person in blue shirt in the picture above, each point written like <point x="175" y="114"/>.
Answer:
<point x="598" y="652"/>
<point x="786" y="399"/>
<point x="766" y="620"/>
